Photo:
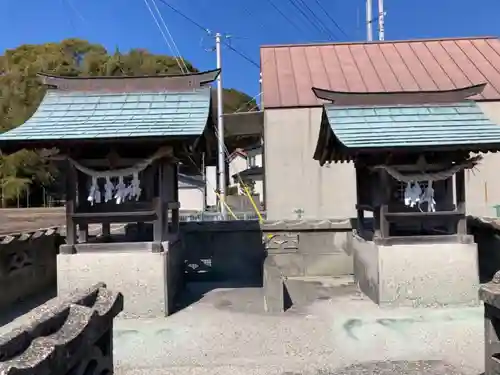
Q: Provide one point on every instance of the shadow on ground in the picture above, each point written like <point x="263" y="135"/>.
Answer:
<point x="238" y="295"/>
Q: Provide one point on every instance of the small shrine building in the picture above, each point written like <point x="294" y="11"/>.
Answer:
<point x="120" y="141"/>
<point x="410" y="151"/>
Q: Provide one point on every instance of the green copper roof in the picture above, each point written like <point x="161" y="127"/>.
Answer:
<point x="93" y="115"/>
<point x="411" y="125"/>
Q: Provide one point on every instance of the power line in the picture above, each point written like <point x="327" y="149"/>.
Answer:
<point x="304" y="14"/>
<point x="241" y="54"/>
<point x="73" y="7"/>
<point x="254" y="99"/>
<point x="271" y="2"/>
<point x="331" y="18"/>
<point x="185" y="17"/>
<point x="176" y="49"/>
<point x="172" y="50"/>
<point x="318" y="20"/>
<point x="198" y="25"/>
<point x="250" y="14"/>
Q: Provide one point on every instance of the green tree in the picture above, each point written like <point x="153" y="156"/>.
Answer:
<point x="237" y="101"/>
<point x="21" y="93"/>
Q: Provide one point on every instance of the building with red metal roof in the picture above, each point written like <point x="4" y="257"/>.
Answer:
<point x="294" y="181"/>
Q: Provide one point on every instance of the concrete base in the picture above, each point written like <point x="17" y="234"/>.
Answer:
<point x="417" y="275"/>
<point x="317" y="254"/>
<point x="143" y="277"/>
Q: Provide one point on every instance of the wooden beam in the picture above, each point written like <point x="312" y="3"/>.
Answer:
<point x="360" y="213"/>
<point x="106" y="230"/>
<point x="423" y="215"/>
<point x="460" y="196"/>
<point x="414" y="240"/>
<point x="70" y="204"/>
<point x="158" y="203"/>
<point x="83" y="203"/>
<point x="104" y="163"/>
<point x="113" y="217"/>
<point x="175" y="195"/>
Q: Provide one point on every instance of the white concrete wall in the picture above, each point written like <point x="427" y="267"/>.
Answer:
<point x="191" y="198"/>
<point x="259" y="190"/>
<point x="211" y="184"/>
<point x="258" y="160"/>
<point x="237" y="165"/>
<point x="294" y="180"/>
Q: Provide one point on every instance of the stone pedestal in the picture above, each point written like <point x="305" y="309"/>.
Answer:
<point x="417" y="275"/>
<point x="310" y="247"/>
<point x="149" y="279"/>
<point x="490" y="294"/>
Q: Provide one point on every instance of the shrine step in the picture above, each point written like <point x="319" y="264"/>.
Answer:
<point x="304" y="290"/>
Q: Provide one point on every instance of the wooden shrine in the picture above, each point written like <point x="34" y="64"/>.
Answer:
<point x="119" y="141"/>
<point x="411" y="151"/>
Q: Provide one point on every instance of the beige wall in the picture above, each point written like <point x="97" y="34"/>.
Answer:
<point x="259" y="189"/>
<point x="191" y="198"/>
<point x="211" y="185"/>
<point x="483" y="183"/>
<point x="295" y="181"/>
<point x="237" y="165"/>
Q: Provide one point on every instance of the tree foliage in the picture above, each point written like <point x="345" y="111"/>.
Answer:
<point x="21" y="93"/>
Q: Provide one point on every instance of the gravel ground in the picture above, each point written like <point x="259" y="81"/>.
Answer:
<point x="338" y="336"/>
<point x="227" y="332"/>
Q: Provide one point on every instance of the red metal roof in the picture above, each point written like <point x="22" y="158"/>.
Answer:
<point x="290" y="71"/>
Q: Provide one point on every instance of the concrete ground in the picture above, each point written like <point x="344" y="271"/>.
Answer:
<point x="227" y="332"/>
<point x="343" y="332"/>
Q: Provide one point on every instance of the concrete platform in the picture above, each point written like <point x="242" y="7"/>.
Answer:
<point x="418" y="275"/>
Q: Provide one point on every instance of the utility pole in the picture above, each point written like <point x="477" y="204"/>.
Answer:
<point x="381" y="15"/>
<point x="369" y="20"/>
<point x="220" y="131"/>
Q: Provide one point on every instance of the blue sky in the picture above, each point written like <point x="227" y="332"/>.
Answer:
<point x="128" y="24"/>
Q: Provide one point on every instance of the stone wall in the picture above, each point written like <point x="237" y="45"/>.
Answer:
<point x="276" y="299"/>
<point x="174" y="273"/>
<point x="366" y="270"/>
<point x="27" y="264"/>
<point x="486" y="234"/>
<point x="310" y="247"/>
<point x="64" y="336"/>
<point x="220" y="251"/>
<point x="490" y="294"/>
<point x="237" y="249"/>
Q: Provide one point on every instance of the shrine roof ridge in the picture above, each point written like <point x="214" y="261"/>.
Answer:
<point x="354" y="98"/>
<point x="146" y="83"/>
